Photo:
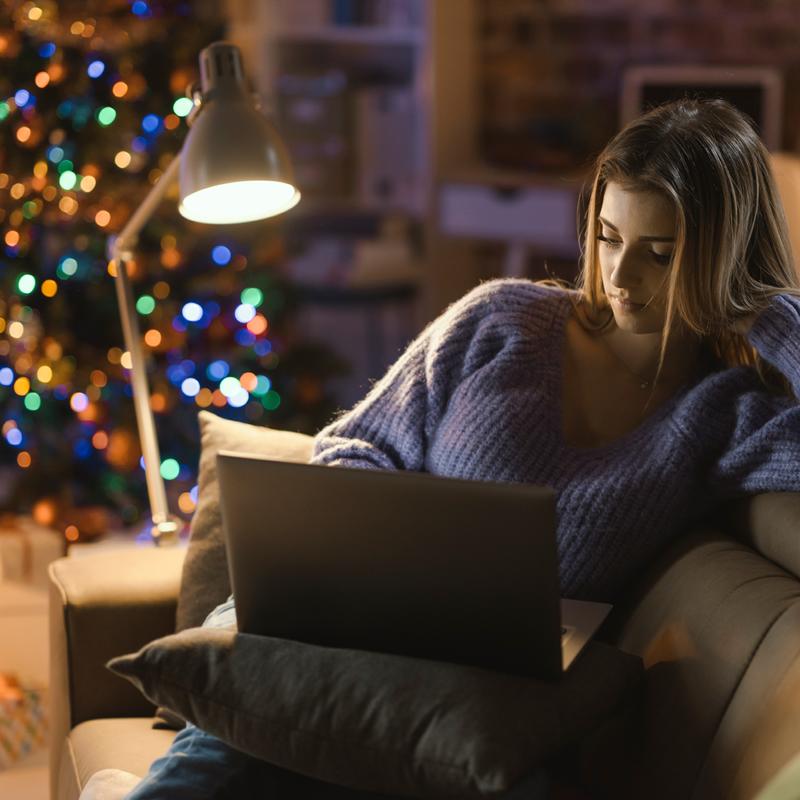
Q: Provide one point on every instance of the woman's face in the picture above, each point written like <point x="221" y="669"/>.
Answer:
<point x="636" y="237"/>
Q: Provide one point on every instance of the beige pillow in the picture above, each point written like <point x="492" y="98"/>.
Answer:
<point x="205" y="582"/>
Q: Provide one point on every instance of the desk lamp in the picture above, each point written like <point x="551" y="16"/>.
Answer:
<point x="232" y="168"/>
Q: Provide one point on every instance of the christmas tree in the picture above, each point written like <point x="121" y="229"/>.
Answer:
<point x="92" y="110"/>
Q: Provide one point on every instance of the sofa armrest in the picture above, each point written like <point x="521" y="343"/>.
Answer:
<point x="103" y="605"/>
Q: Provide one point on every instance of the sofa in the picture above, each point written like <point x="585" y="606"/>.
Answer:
<point x="715" y="619"/>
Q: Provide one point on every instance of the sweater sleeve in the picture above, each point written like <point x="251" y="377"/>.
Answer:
<point x="763" y="449"/>
<point x="391" y="427"/>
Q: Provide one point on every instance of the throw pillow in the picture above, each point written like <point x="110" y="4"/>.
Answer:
<point x="377" y="722"/>
<point x="205" y="582"/>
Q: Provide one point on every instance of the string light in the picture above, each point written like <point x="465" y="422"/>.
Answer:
<point x="102" y="218"/>
<point x="49" y="288"/>
<point x="24" y="459"/>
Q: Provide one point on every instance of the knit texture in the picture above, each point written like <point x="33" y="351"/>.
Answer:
<point x="477" y="395"/>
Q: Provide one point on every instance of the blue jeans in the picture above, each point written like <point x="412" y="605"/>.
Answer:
<point x="199" y="766"/>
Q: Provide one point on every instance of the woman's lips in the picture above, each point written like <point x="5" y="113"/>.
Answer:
<point x="627" y="305"/>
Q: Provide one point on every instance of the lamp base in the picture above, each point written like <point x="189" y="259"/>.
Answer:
<point x="166" y="532"/>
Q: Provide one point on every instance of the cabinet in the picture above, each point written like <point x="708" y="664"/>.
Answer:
<point x="376" y="100"/>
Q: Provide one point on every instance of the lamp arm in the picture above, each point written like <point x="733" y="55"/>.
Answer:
<point x="165" y="527"/>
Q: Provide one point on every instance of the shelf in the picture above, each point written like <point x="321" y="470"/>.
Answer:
<point x="352" y="34"/>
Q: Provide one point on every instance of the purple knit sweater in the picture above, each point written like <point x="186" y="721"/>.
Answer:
<point x="477" y="395"/>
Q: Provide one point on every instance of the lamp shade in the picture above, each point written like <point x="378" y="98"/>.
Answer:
<point x="233" y="165"/>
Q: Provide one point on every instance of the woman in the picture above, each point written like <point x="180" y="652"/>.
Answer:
<point x="665" y="384"/>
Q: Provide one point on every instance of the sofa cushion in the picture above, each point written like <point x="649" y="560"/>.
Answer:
<point x="205" y="582"/>
<point x="128" y="744"/>
<point x="377" y="722"/>
<point x="701" y="619"/>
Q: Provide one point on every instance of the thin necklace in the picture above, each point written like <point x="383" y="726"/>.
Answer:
<point x="644" y="383"/>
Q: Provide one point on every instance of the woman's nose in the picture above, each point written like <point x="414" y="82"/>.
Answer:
<point x="625" y="272"/>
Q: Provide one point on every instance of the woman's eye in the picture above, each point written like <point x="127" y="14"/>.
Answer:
<point x="661" y="258"/>
<point x="608" y="242"/>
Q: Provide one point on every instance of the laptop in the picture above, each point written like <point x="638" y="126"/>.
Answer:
<point x="400" y="562"/>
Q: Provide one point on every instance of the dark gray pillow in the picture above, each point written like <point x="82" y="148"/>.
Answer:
<point x="375" y="722"/>
<point x="204" y="581"/>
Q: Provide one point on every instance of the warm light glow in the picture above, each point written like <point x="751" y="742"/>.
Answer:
<point x="76" y="29"/>
<point x="203" y="398"/>
<point x="258" y="325"/>
<point x="88" y="182"/>
<point x="49" y="288"/>
<point x="242" y="201"/>
<point x="22" y="386"/>
<point x="119" y="89"/>
<point x="114" y="355"/>
<point x="23" y="133"/>
<point x="35" y="14"/>
<point x="41" y="79"/>
<point x="185" y="503"/>
<point x="71" y="533"/>
<point x="40" y="169"/>
<point x="50" y="193"/>
<point x="102" y="218"/>
<point x="98" y="378"/>
<point x="16" y="329"/>
<point x="122" y="159"/>
<point x="12" y="238"/>
<point x="161" y="290"/>
<point x="69" y="205"/>
<point x="152" y="338"/>
<point x="126" y="360"/>
<point x="100" y="440"/>
<point x="17" y="191"/>
<point x="112" y="268"/>
<point x="158" y="402"/>
<point x="24" y="459"/>
<point x="44" y="374"/>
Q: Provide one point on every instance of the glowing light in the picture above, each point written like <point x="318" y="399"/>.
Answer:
<point x="41" y="79"/>
<point x="221" y="255"/>
<point x="185" y="503"/>
<point x="252" y="297"/>
<point x="67" y="180"/>
<point x="88" y="182"/>
<point x="271" y="400"/>
<point x="203" y="398"/>
<point x="192" y="312"/>
<point x="71" y="533"/>
<point x="244" y="312"/>
<point x="55" y="154"/>
<point x="24" y="459"/>
<point x="47" y="49"/>
<point x="69" y="205"/>
<point x="22" y="98"/>
<point x="76" y="29"/>
<point x="249" y="381"/>
<point x="49" y="288"/>
<point x="170" y="469"/>
<point x="6" y="376"/>
<point x="239" y="201"/>
<point x="229" y="386"/>
<point x="35" y="14"/>
<point x="17" y="191"/>
<point x="98" y="378"/>
<point x="26" y="283"/>
<point x="12" y="238"/>
<point x="151" y="123"/>
<point x="79" y="402"/>
<point x="158" y="402"/>
<point x="190" y="387"/>
<point x="22" y="386"/>
<point x="152" y="338"/>
<point x="126" y="361"/>
<point x="258" y="325"/>
<point x="16" y="330"/>
<point x="96" y="69"/>
<point x="44" y="374"/>
<point x="171" y="122"/>
<point x="4" y="110"/>
<point x="14" y="437"/>
<point x="100" y="440"/>
<point x="239" y="398"/>
<point x="140" y="8"/>
<point x="68" y="267"/>
<point x="106" y="115"/>
<point x="102" y="218"/>
<point x="23" y="133"/>
<point x="217" y="370"/>
<point x="145" y="304"/>
<point x="182" y="106"/>
<point x="122" y="159"/>
<point x="119" y="89"/>
<point x="161" y="290"/>
<point x="50" y="193"/>
<point x="32" y="401"/>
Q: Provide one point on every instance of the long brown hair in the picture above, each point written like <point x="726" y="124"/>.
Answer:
<point x="732" y="250"/>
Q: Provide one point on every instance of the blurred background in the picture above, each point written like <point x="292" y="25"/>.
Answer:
<point x="437" y="143"/>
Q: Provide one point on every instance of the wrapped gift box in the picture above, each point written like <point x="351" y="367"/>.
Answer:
<point x="26" y="549"/>
<point x="23" y="720"/>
